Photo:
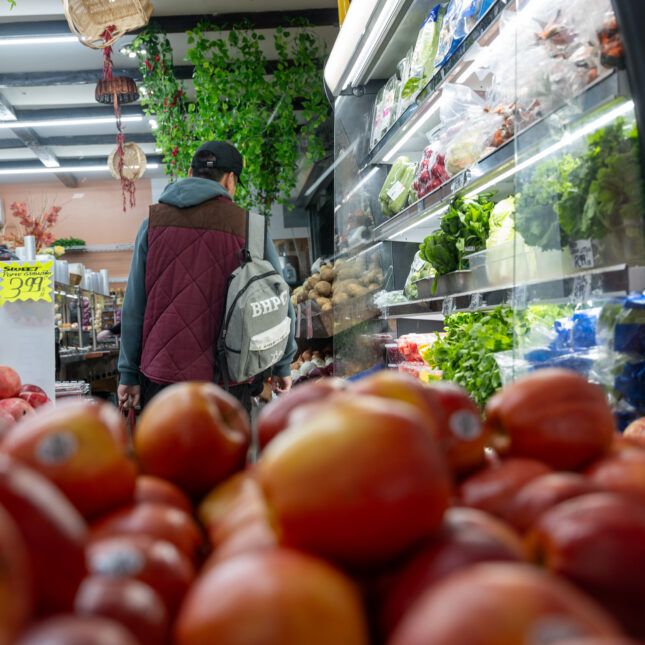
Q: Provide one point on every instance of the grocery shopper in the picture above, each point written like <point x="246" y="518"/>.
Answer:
<point x="174" y="301"/>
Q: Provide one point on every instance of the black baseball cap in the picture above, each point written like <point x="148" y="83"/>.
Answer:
<point x="226" y="156"/>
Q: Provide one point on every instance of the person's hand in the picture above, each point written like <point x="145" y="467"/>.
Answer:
<point x="129" y="395"/>
<point x="280" y="384"/>
<point x="105" y="334"/>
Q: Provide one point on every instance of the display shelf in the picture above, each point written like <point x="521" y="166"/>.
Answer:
<point x="607" y="282"/>
<point x="420" y="219"/>
<point x="483" y="33"/>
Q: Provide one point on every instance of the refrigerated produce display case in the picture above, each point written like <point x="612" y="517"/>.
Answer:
<point x="490" y="153"/>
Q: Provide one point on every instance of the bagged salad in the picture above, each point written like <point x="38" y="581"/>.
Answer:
<point x="420" y="269"/>
<point x="396" y="189"/>
<point x="385" y="109"/>
<point x="421" y="68"/>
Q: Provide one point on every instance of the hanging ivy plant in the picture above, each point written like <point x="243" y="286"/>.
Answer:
<point x="270" y="112"/>
<point x="12" y="3"/>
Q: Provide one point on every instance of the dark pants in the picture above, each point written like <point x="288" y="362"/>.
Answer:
<point x="242" y="393"/>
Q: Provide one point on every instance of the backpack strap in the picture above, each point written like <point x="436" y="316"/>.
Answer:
<point x="256" y="233"/>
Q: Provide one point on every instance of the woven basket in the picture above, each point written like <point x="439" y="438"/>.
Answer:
<point x="134" y="162"/>
<point x="89" y="18"/>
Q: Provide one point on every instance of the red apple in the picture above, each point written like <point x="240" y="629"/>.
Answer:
<point x="29" y="387"/>
<point x="275" y="597"/>
<point x="466" y="435"/>
<point x="492" y="488"/>
<point x="467" y="536"/>
<point x="130" y="602"/>
<point x="78" y="630"/>
<point x="543" y="492"/>
<point x="623" y="472"/>
<point x="158" y="563"/>
<point x="35" y="399"/>
<point x="359" y="482"/>
<point x="155" y="490"/>
<point x="54" y="533"/>
<point x="274" y="417"/>
<point x="501" y="604"/>
<point x="555" y="416"/>
<point x="598" y="542"/>
<point x="16" y="407"/>
<point x="155" y="520"/>
<point x="74" y="445"/>
<point x="16" y="591"/>
<point x="193" y="434"/>
<point x="9" y="382"/>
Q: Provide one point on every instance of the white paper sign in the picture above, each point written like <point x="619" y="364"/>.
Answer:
<point x="396" y="190"/>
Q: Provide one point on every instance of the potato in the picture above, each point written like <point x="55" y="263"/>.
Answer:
<point x="340" y="298"/>
<point x="312" y="295"/>
<point x="323" y="288"/>
<point x="327" y="306"/>
<point x="374" y="286"/>
<point x="356" y="290"/>
<point x="321" y="301"/>
<point x="327" y="275"/>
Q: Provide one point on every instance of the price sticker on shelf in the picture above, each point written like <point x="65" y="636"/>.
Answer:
<point x="476" y="301"/>
<point x="23" y="282"/>
<point x="448" y="307"/>
<point x="460" y="181"/>
<point x="582" y="254"/>
<point x="396" y="190"/>
<point x="519" y="299"/>
<point x="581" y="289"/>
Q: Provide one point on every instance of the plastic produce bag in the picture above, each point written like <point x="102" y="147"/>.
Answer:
<point x="423" y="55"/>
<point x="420" y="269"/>
<point x="376" y="118"/>
<point x="395" y="191"/>
<point x="448" y="41"/>
<point x="466" y="125"/>
<point x="431" y="171"/>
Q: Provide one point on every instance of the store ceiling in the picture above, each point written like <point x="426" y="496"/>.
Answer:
<point x="45" y="81"/>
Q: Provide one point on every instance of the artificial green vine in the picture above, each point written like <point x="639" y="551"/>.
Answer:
<point x="241" y="98"/>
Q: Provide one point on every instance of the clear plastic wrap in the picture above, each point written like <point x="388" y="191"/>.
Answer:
<point x="420" y="269"/>
<point x="396" y="189"/>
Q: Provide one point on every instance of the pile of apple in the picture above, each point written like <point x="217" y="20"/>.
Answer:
<point x="385" y="511"/>
<point x="17" y="399"/>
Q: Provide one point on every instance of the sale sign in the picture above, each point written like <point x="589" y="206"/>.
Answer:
<point x="22" y="282"/>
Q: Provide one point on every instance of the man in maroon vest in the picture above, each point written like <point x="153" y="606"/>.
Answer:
<point x="174" y="302"/>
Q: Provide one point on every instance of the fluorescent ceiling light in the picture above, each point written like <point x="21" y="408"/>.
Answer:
<point x="67" y="122"/>
<point x="414" y="129"/>
<point x="37" y="40"/>
<point x="81" y="169"/>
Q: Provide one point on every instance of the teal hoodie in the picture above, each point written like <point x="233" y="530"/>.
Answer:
<point x="182" y="194"/>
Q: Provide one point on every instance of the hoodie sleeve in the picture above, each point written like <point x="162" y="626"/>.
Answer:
<point x="134" y="307"/>
<point x="283" y="366"/>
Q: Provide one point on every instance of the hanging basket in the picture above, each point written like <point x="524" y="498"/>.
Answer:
<point x="134" y="162"/>
<point x="89" y="18"/>
<point x="123" y="87"/>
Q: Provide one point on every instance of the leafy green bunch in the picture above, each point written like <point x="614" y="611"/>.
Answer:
<point x="466" y="354"/>
<point x="270" y="110"/>
<point x="463" y="229"/>
<point x="588" y="196"/>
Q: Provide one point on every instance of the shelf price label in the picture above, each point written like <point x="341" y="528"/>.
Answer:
<point x="460" y="181"/>
<point x="582" y="254"/>
<point x="476" y="301"/>
<point x="448" y="306"/>
<point x="581" y="289"/>
<point x="22" y="282"/>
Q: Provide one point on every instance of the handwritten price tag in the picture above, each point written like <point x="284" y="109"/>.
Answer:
<point x="581" y="290"/>
<point x="22" y="282"/>
<point x="476" y="301"/>
<point x="448" y="306"/>
<point x="582" y="254"/>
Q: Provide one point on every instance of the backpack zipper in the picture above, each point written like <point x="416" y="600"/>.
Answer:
<point x="239" y="295"/>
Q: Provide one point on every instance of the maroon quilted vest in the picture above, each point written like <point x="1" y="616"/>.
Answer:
<point x="191" y="253"/>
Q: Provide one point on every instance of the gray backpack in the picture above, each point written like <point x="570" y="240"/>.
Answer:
<point x="256" y="325"/>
